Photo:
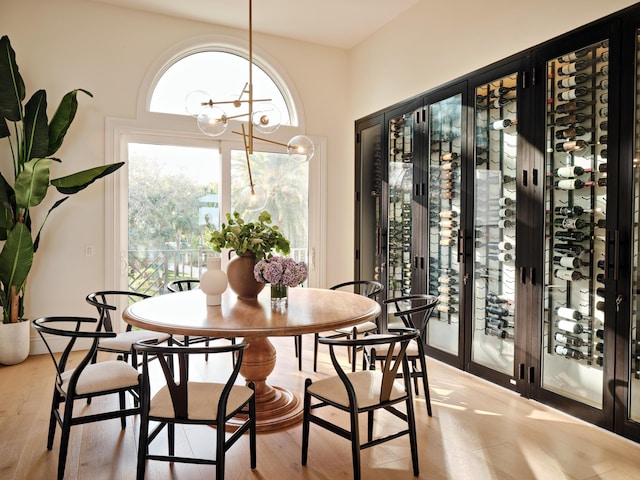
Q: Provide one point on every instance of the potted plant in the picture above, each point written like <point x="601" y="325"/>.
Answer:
<point x="251" y="241"/>
<point x="33" y="140"/>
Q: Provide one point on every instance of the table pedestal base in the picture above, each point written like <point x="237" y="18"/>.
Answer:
<point x="276" y="408"/>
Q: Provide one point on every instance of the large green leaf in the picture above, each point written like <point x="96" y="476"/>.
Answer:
<point x="16" y="257"/>
<point x="36" y="127"/>
<point x="65" y="113"/>
<point x="79" y="181"/>
<point x="7" y="208"/>
<point x="32" y="183"/>
<point x="4" y="128"/>
<point x="11" y="83"/>
<point x="36" y="242"/>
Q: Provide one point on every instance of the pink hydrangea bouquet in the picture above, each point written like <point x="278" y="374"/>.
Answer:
<point x="280" y="270"/>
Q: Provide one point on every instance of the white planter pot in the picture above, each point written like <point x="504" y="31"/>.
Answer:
<point x="14" y="342"/>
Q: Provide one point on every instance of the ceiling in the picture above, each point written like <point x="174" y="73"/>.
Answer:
<point x="335" y="23"/>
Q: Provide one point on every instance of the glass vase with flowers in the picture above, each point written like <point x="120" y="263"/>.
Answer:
<point x="281" y="273"/>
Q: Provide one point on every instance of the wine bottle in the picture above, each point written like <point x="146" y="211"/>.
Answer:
<point x="446" y="279"/>
<point x="569" y="352"/>
<point x="569" y="326"/>
<point x="600" y="333"/>
<point x="572" y="184"/>
<point x="502" y="124"/>
<point x="447" y="195"/>
<point x="569" y="275"/>
<point x="447" y="299"/>
<point x="602" y="182"/>
<point x="498" y="310"/>
<point x="505" y="213"/>
<point x="573" y="80"/>
<point x="497" y="322"/>
<point x="571" y="132"/>
<point x="569" y="211"/>
<point x="571" y="119"/>
<point x="572" y="106"/>
<point x="568" y="313"/>
<point x="570" y="223"/>
<point x="600" y="278"/>
<point x="447" y="242"/>
<point x="496" y="332"/>
<point x="500" y="245"/>
<point x="604" y="153"/>
<point x="603" y="139"/>
<point x="501" y="102"/>
<point x="570" y="172"/>
<point x="600" y="361"/>
<point x="600" y="306"/>
<point x="573" y="93"/>
<point x="600" y="347"/>
<point x="448" y="224"/>
<point x="604" y="125"/>
<point x="508" y="179"/>
<point x="604" y="98"/>
<point x="600" y="292"/>
<point x="569" y="248"/>
<point x="579" y="65"/>
<point x="448" y="309"/>
<point x="449" y="165"/>
<point x="505" y="201"/>
<point x="568" y="262"/>
<point x="498" y="92"/>
<point x="601" y="264"/>
<point x="495" y="298"/>
<point x="448" y="233"/>
<point x="571" y="146"/>
<point x="448" y="214"/>
<point x="506" y="223"/>
<point x="572" y="236"/>
<point x="444" y="289"/>
<point x="446" y="186"/>
<point x="573" y="56"/>
<point x="449" y="156"/>
<point x="502" y="257"/>
<point x="569" y="340"/>
<point x="603" y="112"/>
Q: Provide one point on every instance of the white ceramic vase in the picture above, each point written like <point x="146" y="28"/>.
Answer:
<point x="213" y="281"/>
<point x="15" y="341"/>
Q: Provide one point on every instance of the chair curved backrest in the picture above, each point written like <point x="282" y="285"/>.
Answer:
<point x="366" y="288"/>
<point x="406" y="309"/>
<point x="55" y="326"/>
<point x="107" y="301"/>
<point x="183" y="285"/>
<point x="396" y="344"/>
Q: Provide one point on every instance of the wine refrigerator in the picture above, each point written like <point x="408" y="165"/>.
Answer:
<point x="513" y="195"/>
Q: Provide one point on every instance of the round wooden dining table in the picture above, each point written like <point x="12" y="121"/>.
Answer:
<point x="310" y="310"/>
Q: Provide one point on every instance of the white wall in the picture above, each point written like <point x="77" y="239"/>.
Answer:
<point x="65" y="44"/>
<point x="435" y="42"/>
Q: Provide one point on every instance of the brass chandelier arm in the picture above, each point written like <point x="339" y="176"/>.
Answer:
<point x="260" y="138"/>
<point x="246" y="152"/>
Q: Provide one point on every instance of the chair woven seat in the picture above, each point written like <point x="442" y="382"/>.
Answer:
<point x="122" y="341"/>
<point x="366" y="384"/>
<point x="102" y="376"/>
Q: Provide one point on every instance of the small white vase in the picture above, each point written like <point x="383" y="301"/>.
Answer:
<point x="213" y="281"/>
<point x="15" y="341"/>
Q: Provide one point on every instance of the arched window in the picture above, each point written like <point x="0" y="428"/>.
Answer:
<point x="222" y="75"/>
<point x="178" y="182"/>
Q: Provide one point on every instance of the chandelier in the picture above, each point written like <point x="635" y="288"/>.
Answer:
<point x="213" y="117"/>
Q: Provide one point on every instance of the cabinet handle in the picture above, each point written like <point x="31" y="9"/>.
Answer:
<point x="532" y="275"/>
<point x="616" y="254"/>
<point x="523" y="275"/>
<point x="460" y="246"/>
<point x="532" y="374"/>
<point x="535" y="177"/>
<point x="422" y="263"/>
<point x="521" y="371"/>
<point x="525" y="178"/>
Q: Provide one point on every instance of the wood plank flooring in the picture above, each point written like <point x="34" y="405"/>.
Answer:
<point x="478" y="431"/>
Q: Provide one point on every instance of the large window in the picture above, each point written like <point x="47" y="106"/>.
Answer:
<point x="178" y="183"/>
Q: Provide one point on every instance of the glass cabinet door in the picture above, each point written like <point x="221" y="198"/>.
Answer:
<point x="444" y="176"/>
<point x="633" y="407"/>
<point x="575" y="205"/>
<point x="494" y="217"/>
<point x="400" y="177"/>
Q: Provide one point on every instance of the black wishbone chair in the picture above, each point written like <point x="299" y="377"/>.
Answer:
<point x="364" y="392"/>
<point x="179" y="400"/>
<point x="85" y="380"/>
<point x="106" y="303"/>
<point x="414" y="311"/>
<point x="366" y="288"/>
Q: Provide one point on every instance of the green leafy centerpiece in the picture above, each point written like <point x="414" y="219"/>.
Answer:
<point x="251" y="242"/>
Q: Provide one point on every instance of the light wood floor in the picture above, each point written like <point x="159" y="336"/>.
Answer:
<point x="478" y="431"/>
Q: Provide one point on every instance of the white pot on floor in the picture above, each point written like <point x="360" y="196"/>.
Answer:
<point x="14" y="342"/>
